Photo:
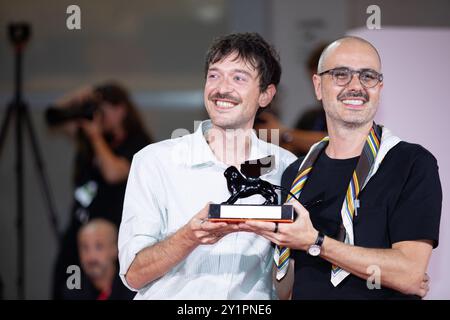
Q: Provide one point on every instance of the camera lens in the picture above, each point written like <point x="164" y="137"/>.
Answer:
<point x="56" y="115"/>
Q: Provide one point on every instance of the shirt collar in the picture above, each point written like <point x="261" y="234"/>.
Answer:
<point x="201" y="153"/>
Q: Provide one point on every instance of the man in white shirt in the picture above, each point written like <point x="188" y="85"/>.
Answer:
<point x="167" y="247"/>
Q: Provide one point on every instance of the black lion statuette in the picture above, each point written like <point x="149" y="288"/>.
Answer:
<point x="243" y="187"/>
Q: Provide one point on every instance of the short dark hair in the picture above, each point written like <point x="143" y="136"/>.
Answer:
<point x="251" y="48"/>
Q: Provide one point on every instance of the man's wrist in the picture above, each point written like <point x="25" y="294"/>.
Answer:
<point x="312" y="239"/>
<point x="188" y="236"/>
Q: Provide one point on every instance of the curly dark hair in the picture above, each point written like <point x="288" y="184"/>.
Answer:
<point x="252" y="49"/>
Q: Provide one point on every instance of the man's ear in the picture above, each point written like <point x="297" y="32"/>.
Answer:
<point x="266" y="97"/>
<point x="317" y="82"/>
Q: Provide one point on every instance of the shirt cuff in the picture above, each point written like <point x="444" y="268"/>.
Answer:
<point x="129" y="251"/>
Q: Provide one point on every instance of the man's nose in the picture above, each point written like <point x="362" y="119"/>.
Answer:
<point x="224" y="86"/>
<point x="354" y="83"/>
<point x="89" y="255"/>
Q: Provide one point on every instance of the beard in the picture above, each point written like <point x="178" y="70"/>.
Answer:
<point x="351" y="119"/>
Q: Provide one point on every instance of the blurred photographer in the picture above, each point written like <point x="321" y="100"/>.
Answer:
<point x="107" y="131"/>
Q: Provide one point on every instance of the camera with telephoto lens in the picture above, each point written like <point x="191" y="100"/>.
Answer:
<point x="80" y="111"/>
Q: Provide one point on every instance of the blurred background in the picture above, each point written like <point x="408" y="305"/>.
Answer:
<point x="156" y="49"/>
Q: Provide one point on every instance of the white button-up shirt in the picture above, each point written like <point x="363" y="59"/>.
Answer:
<point x="171" y="181"/>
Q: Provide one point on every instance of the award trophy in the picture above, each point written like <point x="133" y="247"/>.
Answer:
<point x="248" y="184"/>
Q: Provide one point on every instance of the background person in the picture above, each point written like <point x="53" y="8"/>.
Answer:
<point x="97" y="248"/>
<point x="105" y="146"/>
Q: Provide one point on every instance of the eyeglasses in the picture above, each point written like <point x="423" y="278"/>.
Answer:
<point x="343" y="76"/>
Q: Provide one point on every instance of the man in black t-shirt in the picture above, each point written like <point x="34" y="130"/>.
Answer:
<point x="374" y="201"/>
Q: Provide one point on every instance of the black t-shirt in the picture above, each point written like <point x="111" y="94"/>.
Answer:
<point x="107" y="202"/>
<point x="401" y="202"/>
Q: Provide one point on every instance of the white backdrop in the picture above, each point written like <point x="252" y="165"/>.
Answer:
<point x="415" y="106"/>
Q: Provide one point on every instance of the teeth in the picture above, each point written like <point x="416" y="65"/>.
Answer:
<point x="224" y="104"/>
<point x="353" y="102"/>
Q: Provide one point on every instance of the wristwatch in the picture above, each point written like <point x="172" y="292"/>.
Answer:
<point x="314" y="249"/>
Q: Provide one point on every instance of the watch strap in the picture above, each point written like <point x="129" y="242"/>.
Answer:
<point x="319" y="239"/>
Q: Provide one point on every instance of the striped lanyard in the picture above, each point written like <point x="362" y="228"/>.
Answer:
<point x="359" y="176"/>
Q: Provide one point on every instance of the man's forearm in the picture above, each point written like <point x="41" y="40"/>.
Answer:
<point x="153" y="262"/>
<point x="401" y="268"/>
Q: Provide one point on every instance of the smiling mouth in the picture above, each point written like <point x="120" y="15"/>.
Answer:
<point x="353" y="102"/>
<point x="225" y="104"/>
